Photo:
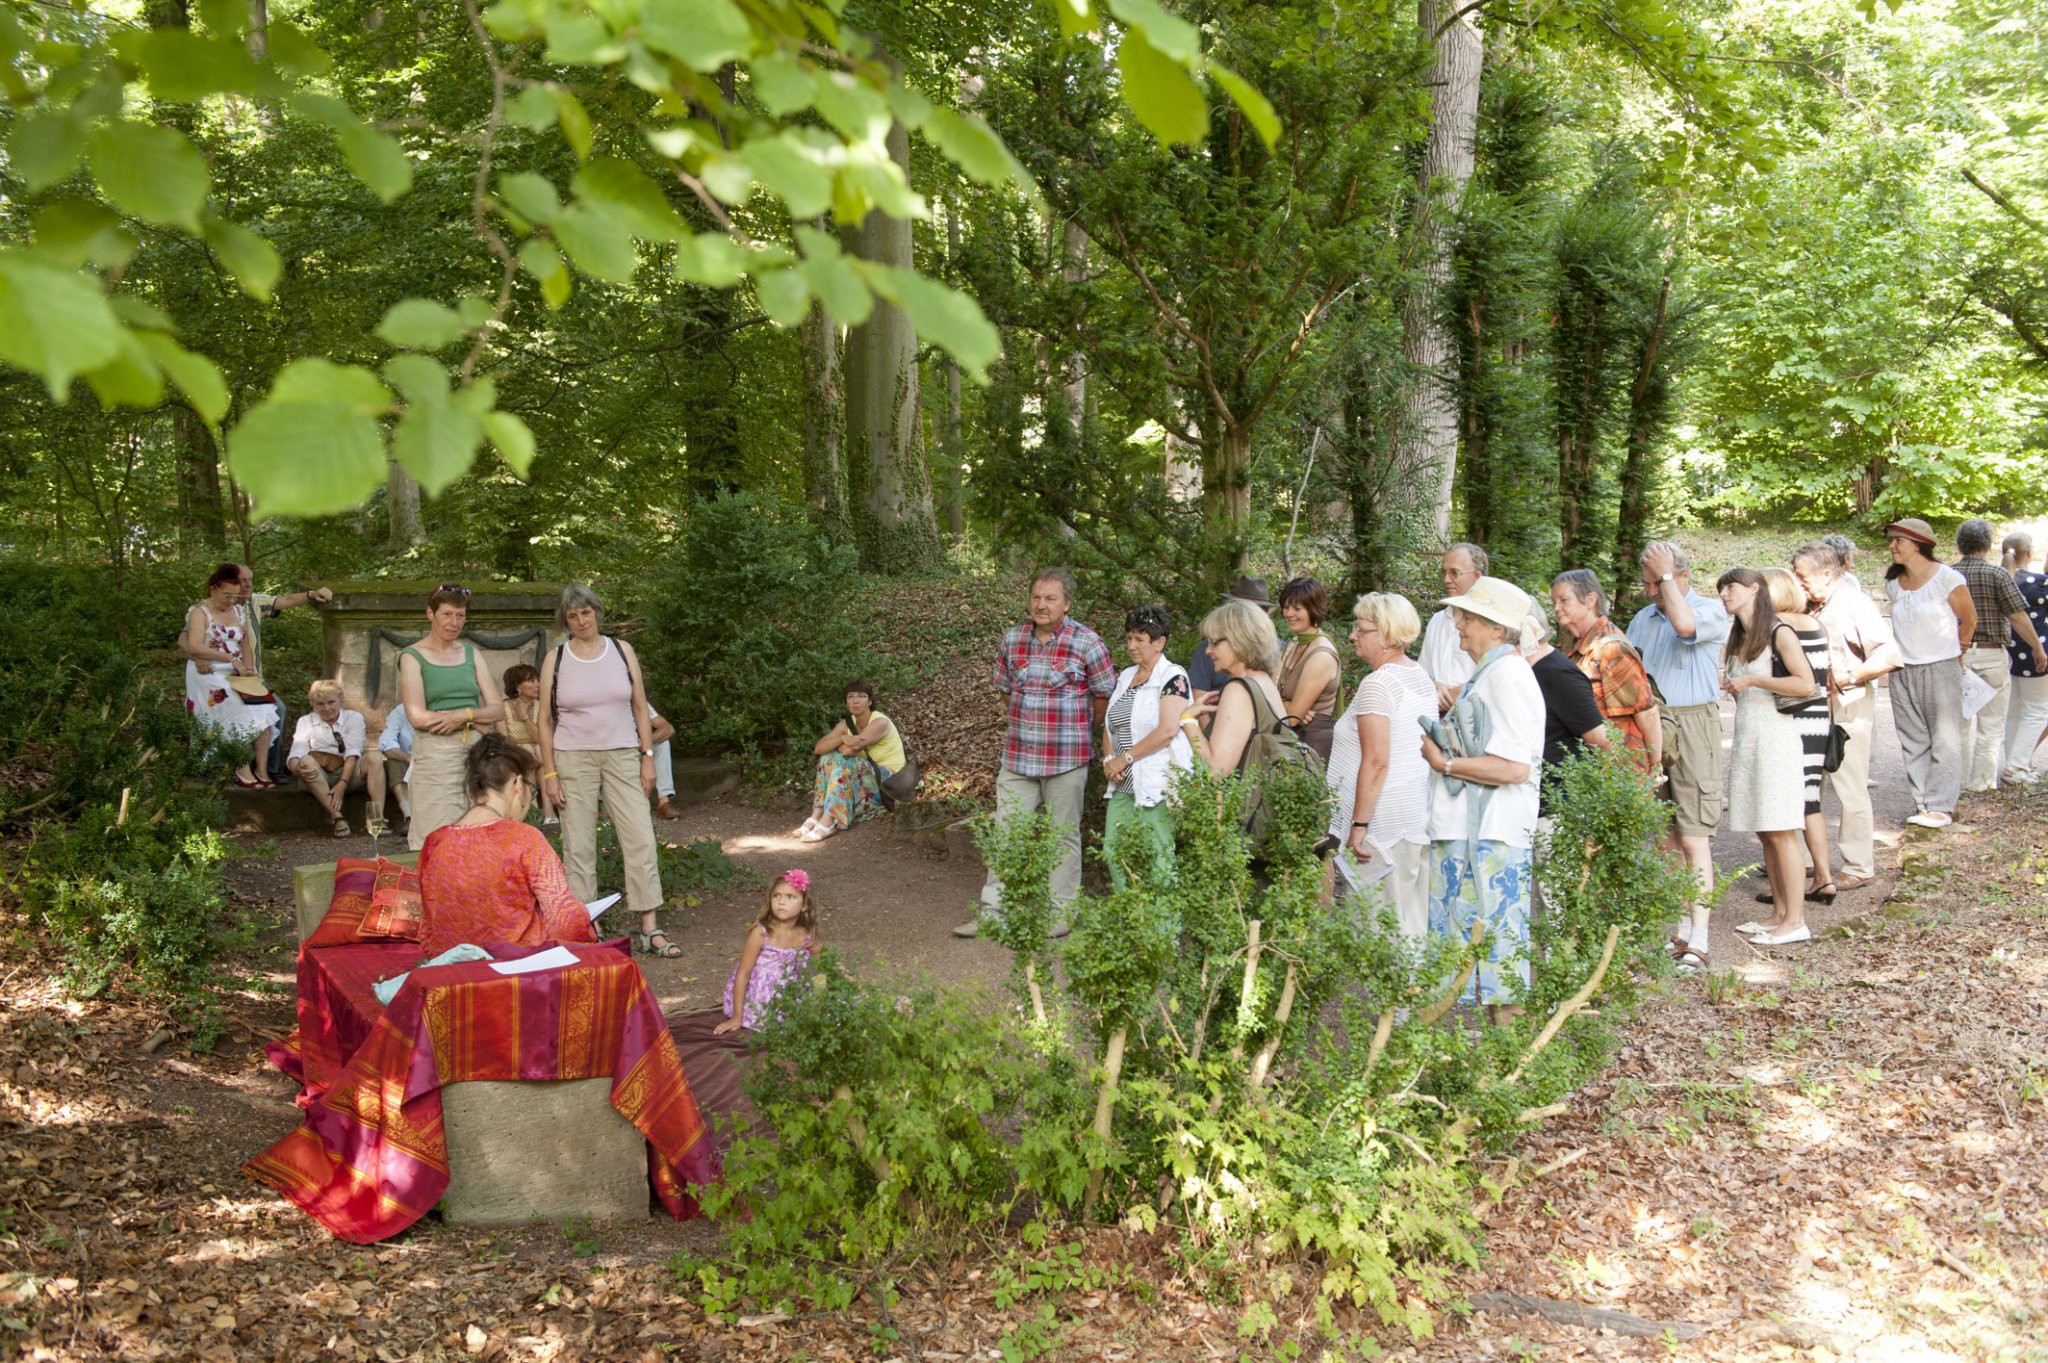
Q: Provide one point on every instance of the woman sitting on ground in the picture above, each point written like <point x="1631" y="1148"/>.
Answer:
<point x="490" y="876"/>
<point x="1242" y="648"/>
<point x="1310" y="670"/>
<point x="216" y="650"/>
<point x="859" y="753"/>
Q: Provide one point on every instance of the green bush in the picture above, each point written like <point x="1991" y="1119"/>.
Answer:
<point x="752" y="627"/>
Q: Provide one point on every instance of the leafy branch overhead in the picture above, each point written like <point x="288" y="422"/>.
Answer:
<point x="747" y="119"/>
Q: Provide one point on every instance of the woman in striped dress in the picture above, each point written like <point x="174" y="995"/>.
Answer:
<point x="1789" y="600"/>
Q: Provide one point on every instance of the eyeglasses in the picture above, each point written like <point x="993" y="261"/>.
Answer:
<point x="454" y="588"/>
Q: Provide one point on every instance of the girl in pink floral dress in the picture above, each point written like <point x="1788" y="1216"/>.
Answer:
<point x="778" y="947"/>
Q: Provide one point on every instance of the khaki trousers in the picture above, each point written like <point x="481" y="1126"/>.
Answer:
<point x="1984" y="732"/>
<point x="610" y="776"/>
<point x="369" y="774"/>
<point x="1062" y="795"/>
<point x="1851" y="784"/>
<point x="439" y="796"/>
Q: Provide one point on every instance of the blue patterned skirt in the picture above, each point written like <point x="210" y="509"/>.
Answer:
<point x="1496" y="890"/>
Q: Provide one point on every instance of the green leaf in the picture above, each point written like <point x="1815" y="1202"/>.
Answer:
<point x="137" y="312"/>
<point x="514" y="442"/>
<point x="791" y="169"/>
<point x="374" y="158"/>
<point x="782" y="82"/>
<point x="870" y="177"/>
<point x="575" y="120"/>
<point x="702" y="34"/>
<point x="45" y="147"/>
<point x="637" y="200"/>
<point x="473" y="310"/>
<point x="946" y="317"/>
<point x="854" y="110"/>
<point x="1160" y="91"/>
<point x="576" y="39"/>
<point x="596" y="238"/>
<point x="1175" y="38"/>
<point x="969" y="142"/>
<point x="1075" y="18"/>
<point x="910" y="108"/>
<point x="253" y="261"/>
<point x="291" y="49"/>
<point x="421" y="324"/>
<point x="532" y="108"/>
<point x="531" y="196"/>
<point x="73" y="231"/>
<point x="182" y="66"/>
<point x="437" y="442"/>
<point x="1256" y="108"/>
<point x="417" y="378"/>
<point x="130" y="379"/>
<point x="53" y="322"/>
<point x="727" y="175"/>
<point x="323" y="381"/>
<point x="710" y="258"/>
<point x="197" y="377"/>
<point x="306" y="458"/>
<point x="545" y="264"/>
<point x="148" y="172"/>
<point x="831" y="278"/>
<point x="782" y="296"/>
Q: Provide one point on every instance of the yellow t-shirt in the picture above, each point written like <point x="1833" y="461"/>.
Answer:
<point x="888" y="751"/>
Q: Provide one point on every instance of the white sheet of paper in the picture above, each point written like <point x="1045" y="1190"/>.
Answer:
<point x="1977" y="693"/>
<point x="598" y="906"/>
<point x="551" y="959"/>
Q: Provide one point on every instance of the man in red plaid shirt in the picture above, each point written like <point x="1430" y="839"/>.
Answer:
<point x="1059" y="679"/>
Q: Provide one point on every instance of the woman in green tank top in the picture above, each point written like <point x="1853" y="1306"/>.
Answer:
<point x="450" y="698"/>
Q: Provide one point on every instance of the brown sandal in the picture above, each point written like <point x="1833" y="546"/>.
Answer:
<point x="1694" y="961"/>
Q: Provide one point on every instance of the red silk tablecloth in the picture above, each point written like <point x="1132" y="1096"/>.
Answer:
<point x="371" y="1157"/>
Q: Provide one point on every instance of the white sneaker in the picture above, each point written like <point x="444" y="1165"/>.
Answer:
<point x="1930" y="818"/>
<point x="1802" y="933"/>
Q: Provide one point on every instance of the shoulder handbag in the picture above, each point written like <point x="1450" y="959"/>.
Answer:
<point x="1792" y="705"/>
<point x="1838" y="741"/>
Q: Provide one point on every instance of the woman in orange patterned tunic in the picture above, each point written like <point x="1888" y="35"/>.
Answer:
<point x="1603" y="653"/>
<point x="490" y="876"/>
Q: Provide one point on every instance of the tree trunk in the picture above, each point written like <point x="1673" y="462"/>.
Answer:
<point x="1227" y="497"/>
<point x="1479" y="517"/>
<point x="1429" y="436"/>
<point x="205" y="520"/>
<point x="1649" y="402"/>
<point x="824" y="428"/>
<point x="1074" y="369"/>
<point x="402" y="498"/>
<point x="898" y="530"/>
<point x="259" y="29"/>
<point x="952" y="443"/>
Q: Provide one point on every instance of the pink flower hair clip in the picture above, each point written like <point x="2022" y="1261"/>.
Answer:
<point x="799" y="880"/>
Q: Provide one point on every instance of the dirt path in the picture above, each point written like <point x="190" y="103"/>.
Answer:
<point x="1843" y="1160"/>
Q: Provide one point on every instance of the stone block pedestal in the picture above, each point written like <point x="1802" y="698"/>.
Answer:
<point x="546" y="1151"/>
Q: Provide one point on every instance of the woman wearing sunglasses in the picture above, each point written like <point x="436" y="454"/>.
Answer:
<point x="451" y="700"/>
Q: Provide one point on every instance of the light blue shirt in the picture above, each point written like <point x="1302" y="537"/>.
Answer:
<point x="397" y="735"/>
<point x="1687" y="671"/>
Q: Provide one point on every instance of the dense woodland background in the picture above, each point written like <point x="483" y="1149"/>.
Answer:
<point x="1547" y="278"/>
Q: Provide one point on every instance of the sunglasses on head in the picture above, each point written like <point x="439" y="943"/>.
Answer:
<point x="460" y="591"/>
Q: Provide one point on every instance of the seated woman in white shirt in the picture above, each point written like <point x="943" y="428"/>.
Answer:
<point x="1482" y="833"/>
<point x="328" y="757"/>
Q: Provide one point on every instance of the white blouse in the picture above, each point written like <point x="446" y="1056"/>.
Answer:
<point x="1923" y="623"/>
<point x="1443" y="657"/>
<point x="1515" y="703"/>
<point x="1134" y="709"/>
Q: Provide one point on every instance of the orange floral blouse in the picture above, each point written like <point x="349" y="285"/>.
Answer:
<point x="1620" y="683"/>
<point x="495" y="882"/>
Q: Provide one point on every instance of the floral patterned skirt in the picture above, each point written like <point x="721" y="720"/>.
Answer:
<point x="1496" y="890"/>
<point x="846" y="791"/>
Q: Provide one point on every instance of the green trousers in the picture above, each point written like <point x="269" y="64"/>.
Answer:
<point x="1144" y="825"/>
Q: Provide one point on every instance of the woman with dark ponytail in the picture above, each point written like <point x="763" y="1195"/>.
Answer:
<point x="490" y="876"/>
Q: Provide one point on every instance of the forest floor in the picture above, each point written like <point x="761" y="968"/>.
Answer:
<point x="1842" y="1156"/>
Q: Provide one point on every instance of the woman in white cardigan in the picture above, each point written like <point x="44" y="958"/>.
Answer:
<point x="1143" y="739"/>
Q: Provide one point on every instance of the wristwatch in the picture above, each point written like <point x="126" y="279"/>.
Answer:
<point x="647" y="752"/>
<point x="1668" y="577"/>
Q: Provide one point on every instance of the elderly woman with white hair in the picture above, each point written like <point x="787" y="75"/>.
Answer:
<point x="1379" y="816"/>
<point x="1483" y="796"/>
<point x="597" y="745"/>
<point x="1243" y="651"/>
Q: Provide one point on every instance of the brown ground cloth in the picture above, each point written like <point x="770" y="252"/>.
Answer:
<point x="716" y="1067"/>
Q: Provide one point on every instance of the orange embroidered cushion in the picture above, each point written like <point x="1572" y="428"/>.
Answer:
<point x="396" y="912"/>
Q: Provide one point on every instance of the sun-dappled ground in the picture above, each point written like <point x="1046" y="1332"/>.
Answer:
<point x="1841" y="1155"/>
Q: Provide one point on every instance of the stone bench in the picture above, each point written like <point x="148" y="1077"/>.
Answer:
<point x="521" y="1151"/>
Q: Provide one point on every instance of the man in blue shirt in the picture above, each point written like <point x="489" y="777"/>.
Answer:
<point x="1679" y="635"/>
